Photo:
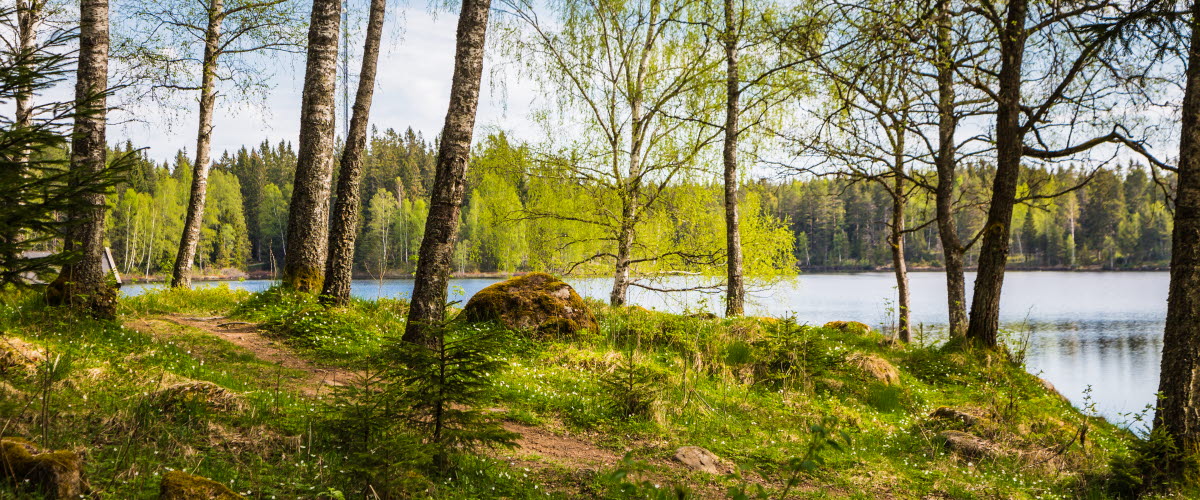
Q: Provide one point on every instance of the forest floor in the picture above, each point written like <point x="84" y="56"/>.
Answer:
<point x="538" y="448"/>
<point x="790" y="410"/>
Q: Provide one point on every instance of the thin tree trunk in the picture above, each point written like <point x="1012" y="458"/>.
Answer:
<point x="308" y="215"/>
<point x="620" y="291"/>
<point x="29" y="15"/>
<point x="952" y="248"/>
<point x="1179" y="382"/>
<point x="181" y="274"/>
<point x="428" y="306"/>
<point x="735" y="295"/>
<point x="346" y="211"/>
<point x="82" y="283"/>
<point x="631" y="185"/>
<point x="993" y="252"/>
<point x="899" y="265"/>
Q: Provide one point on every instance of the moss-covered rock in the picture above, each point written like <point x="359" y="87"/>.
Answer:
<point x="535" y="301"/>
<point x="849" y="327"/>
<point x="57" y="474"/>
<point x="179" y="485"/>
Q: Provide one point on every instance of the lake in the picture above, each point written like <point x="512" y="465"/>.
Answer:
<point x="1097" y="329"/>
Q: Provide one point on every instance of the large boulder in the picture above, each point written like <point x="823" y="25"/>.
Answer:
<point x="57" y="474"/>
<point x="179" y="485"/>
<point x="535" y="301"/>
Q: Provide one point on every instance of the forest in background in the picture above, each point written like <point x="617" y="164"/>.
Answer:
<point x="1120" y="219"/>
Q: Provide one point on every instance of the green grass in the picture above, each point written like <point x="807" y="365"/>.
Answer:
<point x="747" y="389"/>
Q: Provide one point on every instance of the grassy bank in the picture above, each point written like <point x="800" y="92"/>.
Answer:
<point x="812" y="412"/>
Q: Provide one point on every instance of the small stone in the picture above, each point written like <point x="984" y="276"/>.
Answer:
<point x="179" y="485"/>
<point x="953" y="414"/>
<point x="702" y="460"/>
<point x="1050" y="387"/>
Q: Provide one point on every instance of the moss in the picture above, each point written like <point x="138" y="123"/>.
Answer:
<point x="876" y="368"/>
<point x="58" y="474"/>
<point x="304" y="279"/>
<point x="99" y="300"/>
<point x="179" y="485"/>
<point x="15" y="456"/>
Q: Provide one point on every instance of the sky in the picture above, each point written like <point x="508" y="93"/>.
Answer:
<point x="412" y="89"/>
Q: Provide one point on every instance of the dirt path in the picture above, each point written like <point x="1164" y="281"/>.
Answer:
<point x="317" y="380"/>
<point x="562" y="459"/>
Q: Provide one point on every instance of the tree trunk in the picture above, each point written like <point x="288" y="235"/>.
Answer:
<point x="29" y="15"/>
<point x="735" y="295"/>
<point x="181" y="274"/>
<point x="620" y="292"/>
<point x="993" y="252"/>
<point x="1179" y="382"/>
<point x="899" y="265"/>
<point x="346" y="211"/>
<point x="952" y="248"/>
<point x="308" y="215"/>
<point x="83" y="283"/>
<point x="428" y="306"/>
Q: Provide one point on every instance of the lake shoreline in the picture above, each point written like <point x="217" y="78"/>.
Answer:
<point x="262" y="275"/>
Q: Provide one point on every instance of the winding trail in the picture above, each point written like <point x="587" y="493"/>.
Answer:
<point x="538" y="449"/>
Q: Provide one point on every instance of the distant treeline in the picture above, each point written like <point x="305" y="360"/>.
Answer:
<point x="1109" y="218"/>
<point x="1118" y="220"/>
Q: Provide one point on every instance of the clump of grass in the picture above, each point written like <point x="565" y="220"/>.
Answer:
<point x="345" y="335"/>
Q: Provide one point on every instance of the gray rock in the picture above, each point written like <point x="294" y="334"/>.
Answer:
<point x="702" y="460"/>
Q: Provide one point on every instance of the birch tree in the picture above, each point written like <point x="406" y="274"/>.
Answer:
<point x="637" y="78"/>
<point x="186" y="46"/>
<point x="428" y="305"/>
<point x="308" y="213"/>
<point x="336" y="288"/>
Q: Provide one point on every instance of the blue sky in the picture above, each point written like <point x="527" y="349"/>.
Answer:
<point x="412" y="89"/>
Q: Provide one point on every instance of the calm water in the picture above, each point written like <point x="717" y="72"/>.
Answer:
<point x="1088" y="328"/>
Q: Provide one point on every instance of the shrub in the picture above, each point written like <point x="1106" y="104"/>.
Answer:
<point x="438" y="390"/>
<point x="1152" y="464"/>
<point x="632" y="388"/>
